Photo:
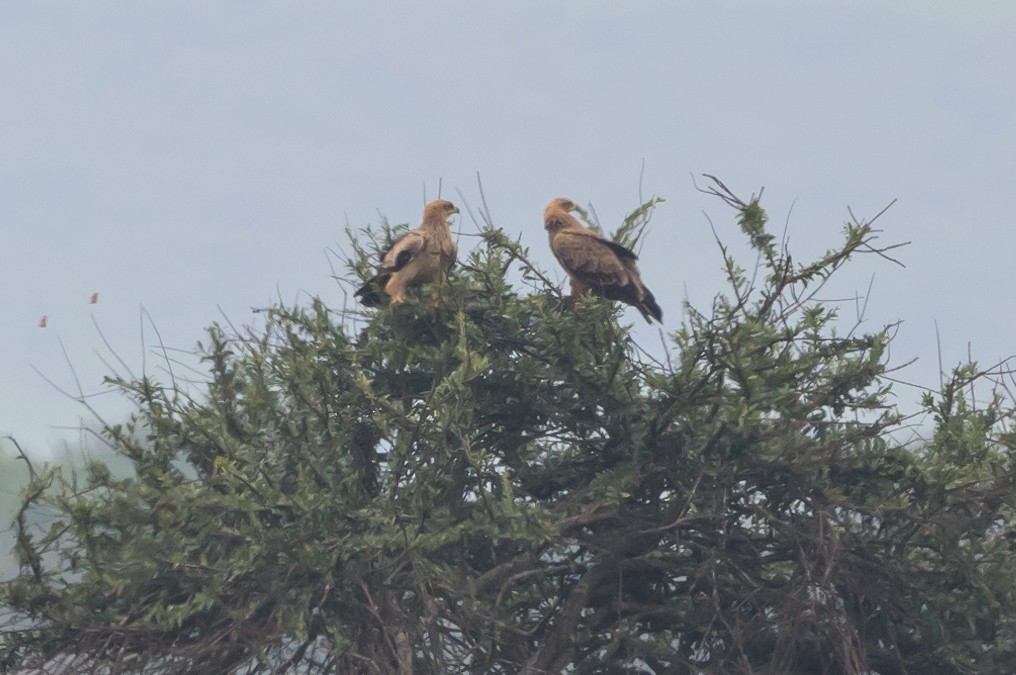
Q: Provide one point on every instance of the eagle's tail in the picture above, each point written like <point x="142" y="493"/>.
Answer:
<point x="637" y="296"/>
<point x="370" y="294"/>
<point x="649" y="308"/>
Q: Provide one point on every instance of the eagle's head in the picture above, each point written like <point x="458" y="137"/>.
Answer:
<point x="439" y="210"/>
<point x="561" y="204"/>
<point x="556" y="213"/>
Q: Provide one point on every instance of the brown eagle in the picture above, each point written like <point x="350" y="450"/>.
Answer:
<point x="417" y="257"/>
<point x="596" y="263"/>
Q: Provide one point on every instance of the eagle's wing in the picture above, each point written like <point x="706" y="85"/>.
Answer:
<point x="402" y="251"/>
<point x="605" y="267"/>
<point x="399" y="255"/>
<point x="623" y="252"/>
<point x="589" y="259"/>
<point x="416" y="258"/>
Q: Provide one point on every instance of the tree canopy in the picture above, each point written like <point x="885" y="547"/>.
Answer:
<point x="507" y="483"/>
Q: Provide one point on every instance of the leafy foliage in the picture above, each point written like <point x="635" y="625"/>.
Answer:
<point x="507" y="483"/>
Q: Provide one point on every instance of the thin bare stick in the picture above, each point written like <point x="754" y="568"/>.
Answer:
<point x="112" y="351"/>
<point x="21" y="455"/>
<point x="162" y="345"/>
<point x="941" y="371"/>
<point x="642" y="175"/>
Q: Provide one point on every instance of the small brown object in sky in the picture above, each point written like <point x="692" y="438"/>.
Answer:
<point x="94" y="299"/>
<point x="42" y="322"/>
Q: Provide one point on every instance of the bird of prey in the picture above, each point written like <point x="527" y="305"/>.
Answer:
<point x="418" y="257"/>
<point x="596" y="263"/>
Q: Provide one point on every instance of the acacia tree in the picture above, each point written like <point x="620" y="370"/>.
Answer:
<point x="507" y="483"/>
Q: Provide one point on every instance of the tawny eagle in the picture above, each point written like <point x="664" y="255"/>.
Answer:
<point x="595" y="263"/>
<point x="417" y="257"/>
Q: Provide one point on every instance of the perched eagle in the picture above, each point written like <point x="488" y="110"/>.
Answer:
<point x="416" y="258"/>
<point x="596" y="263"/>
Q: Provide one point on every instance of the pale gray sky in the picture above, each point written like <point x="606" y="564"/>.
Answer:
<point x="187" y="156"/>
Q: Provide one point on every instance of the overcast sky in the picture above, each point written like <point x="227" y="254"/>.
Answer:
<point x="190" y="156"/>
